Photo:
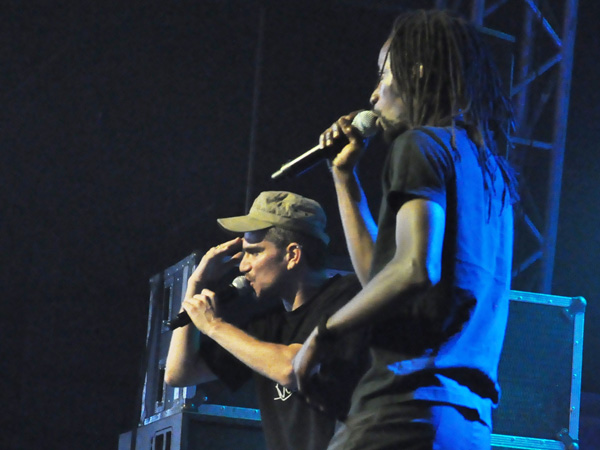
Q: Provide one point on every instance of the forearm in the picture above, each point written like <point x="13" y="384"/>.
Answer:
<point x="415" y="268"/>
<point x="185" y="366"/>
<point x="274" y="361"/>
<point x="382" y="297"/>
<point x="378" y="300"/>
<point x="359" y="227"/>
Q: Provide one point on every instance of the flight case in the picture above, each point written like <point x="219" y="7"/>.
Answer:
<point x="207" y="416"/>
<point x="540" y="373"/>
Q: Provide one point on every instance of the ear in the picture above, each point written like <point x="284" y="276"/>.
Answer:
<point x="293" y="254"/>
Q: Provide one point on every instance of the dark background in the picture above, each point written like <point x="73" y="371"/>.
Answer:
<point x="126" y="128"/>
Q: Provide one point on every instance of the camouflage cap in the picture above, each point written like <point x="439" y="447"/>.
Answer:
<point x="281" y="209"/>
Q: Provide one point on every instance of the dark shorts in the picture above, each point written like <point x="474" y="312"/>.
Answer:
<point x="414" y="425"/>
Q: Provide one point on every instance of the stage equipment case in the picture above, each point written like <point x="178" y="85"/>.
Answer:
<point x="195" y="417"/>
<point x="539" y="372"/>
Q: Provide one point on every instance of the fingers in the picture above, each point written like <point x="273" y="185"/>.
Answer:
<point x="325" y="139"/>
<point x="215" y="263"/>
<point x="331" y="134"/>
<point x="218" y="259"/>
<point x="227" y="248"/>
<point x="203" y="304"/>
<point x="304" y="362"/>
<point x="298" y="374"/>
<point x="231" y="252"/>
<point x="209" y="297"/>
<point x="201" y="310"/>
<point x="343" y="126"/>
<point x="200" y="302"/>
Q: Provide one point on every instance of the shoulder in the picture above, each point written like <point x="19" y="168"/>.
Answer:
<point x="340" y="290"/>
<point x="423" y="150"/>
<point x="423" y="141"/>
<point x="263" y="324"/>
<point x="343" y="282"/>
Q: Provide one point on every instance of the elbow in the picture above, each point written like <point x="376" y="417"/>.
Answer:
<point x="425" y="276"/>
<point x="433" y="275"/>
<point x="288" y="380"/>
<point x="287" y="377"/>
<point x="177" y="377"/>
<point x="172" y="379"/>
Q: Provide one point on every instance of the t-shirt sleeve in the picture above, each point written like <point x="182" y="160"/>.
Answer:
<point x="418" y="167"/>
<point x="226" y="366"/>
<point x="347" y="361"/>
<point x="231" y="371"/>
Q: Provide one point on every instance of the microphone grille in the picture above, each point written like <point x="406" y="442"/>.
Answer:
<point x="365" y="123"/>
<point x="241" y="284"/>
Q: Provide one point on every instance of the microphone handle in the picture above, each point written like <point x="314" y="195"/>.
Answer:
<point x="182" y="319"/>
<point x="309" y="159"/>
<point x="365" y="123"/>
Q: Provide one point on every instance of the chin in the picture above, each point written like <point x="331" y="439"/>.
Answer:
<point x="261" y="293"/>
<point x="392" y="130"/>
<point x="392" y="133"/>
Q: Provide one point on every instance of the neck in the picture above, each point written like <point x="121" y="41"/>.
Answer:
<point x="304" y="290"/>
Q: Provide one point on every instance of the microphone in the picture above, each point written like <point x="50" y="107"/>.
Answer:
<point x="233" y="290"/>
<point x="365" y="124"/>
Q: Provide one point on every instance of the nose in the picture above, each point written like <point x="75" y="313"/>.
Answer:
<point x="374" y="95"/>
<point x="244" y="264"/>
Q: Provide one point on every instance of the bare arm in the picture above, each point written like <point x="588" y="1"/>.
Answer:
<point x="415" y="267"/>
<point x="360" y="229"/>
<point x="184" y="365"/>
<point x="271" y="360"/>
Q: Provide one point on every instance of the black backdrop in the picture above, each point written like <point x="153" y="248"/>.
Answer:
<point x="127" y="128"/>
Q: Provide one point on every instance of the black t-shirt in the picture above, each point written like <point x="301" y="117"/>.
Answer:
<point x="445" y="345"/>
<point x="289" y="422"/>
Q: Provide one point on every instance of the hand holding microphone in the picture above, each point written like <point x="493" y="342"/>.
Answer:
<point x="239" y="286"/>
<point x="364" y="124"/>
<point x="215" y="263"/>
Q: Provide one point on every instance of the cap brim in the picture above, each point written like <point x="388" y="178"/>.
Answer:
<point x="243" y="224"/>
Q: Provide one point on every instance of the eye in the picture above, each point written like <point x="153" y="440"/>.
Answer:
<point x="379" y="77"/>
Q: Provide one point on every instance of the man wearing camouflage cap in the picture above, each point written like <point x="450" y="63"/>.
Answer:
<point x="282" y="254"/>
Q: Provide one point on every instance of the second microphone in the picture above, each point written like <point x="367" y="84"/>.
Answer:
<point x="366" y="126"/>
<point x="237" y="287"/>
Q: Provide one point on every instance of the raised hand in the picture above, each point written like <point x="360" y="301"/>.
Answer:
<point x="202" y="309"/>
<point x="215" y="263"/>
<point x="349" y="156"/>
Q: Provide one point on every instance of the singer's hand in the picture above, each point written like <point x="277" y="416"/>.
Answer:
<point x="306" y="363"/>
<point x="215" y="263"/>
<point x="202" y="309"/>
<point x="348" y="157"/>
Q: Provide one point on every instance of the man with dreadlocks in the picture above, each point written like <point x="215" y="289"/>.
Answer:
<point x="436" y="270"/>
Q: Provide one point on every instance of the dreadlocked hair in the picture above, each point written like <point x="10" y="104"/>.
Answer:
<point x="445" y="76"/>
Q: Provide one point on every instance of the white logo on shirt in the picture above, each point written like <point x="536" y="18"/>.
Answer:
<point x="283" y="393"/>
